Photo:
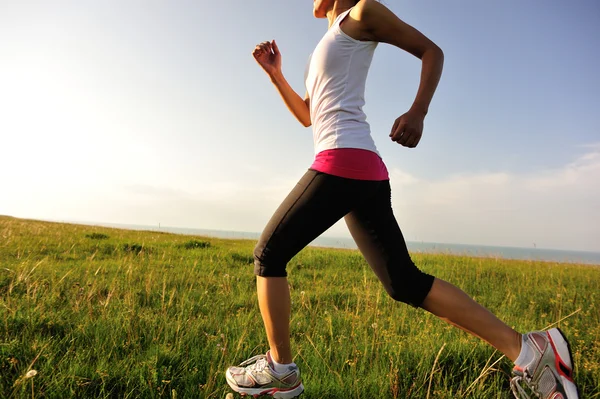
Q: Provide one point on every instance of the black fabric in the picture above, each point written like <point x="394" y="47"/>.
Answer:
<point x="317" y="202"/>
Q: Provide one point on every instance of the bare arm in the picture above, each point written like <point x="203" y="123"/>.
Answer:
<point x="382" y="25"/>
<point x="269" y="58"/>
<point x="298" y="107"/>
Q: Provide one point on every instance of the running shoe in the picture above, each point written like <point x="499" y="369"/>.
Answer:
<point x="549" y="374"/>
<point x="256" y="376"/>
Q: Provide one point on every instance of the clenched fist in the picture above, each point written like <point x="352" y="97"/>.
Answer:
<point x="268" y="57"/>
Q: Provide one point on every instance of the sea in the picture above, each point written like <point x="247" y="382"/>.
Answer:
<point x="534" y="254"/>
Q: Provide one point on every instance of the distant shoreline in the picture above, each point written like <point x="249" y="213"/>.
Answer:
<point x="485" y="251"/>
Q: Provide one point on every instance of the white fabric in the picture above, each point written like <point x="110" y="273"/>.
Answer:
<point x="282" y="368"/>
<point x="335" y="82"/>
<point x="526" y="355"/>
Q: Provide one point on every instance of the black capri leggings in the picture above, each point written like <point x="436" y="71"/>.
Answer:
<point x="317" y="202"/>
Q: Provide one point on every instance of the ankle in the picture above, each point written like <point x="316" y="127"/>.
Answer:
<point x="522" y="355"/>
<point x="279" y="358"/>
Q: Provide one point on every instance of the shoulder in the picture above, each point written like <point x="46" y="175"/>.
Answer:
<point x="365" y="9"/>
<point x="378" y="23"/>
<point x="371" y="15"/>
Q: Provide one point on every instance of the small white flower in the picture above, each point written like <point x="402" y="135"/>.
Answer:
<point x="374" y="325"/>
<point x="31" y="373"/>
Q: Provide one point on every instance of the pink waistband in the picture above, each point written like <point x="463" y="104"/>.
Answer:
<point x="351" y="163"/>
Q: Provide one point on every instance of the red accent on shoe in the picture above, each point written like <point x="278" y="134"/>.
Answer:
<point x="565" y="370"/>
<point x="271" y="391"/>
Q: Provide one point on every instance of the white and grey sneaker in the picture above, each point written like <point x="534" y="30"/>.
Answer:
<point x="257" y="376"/>
<point x="548" y="372"/>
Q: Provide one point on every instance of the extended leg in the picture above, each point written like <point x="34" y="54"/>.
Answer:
<point x="454" y="306"/>
<point x="376" y="232"/>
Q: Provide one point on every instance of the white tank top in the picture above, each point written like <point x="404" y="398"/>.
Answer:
<point x="335" y="82"/>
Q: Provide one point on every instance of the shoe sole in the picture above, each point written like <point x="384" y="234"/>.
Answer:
<point x="273" y="392"/>
<point x="558" y="337"/>
<point x="276" y="393"/>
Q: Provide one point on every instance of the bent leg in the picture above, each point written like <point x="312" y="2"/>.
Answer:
<point x="378" y="236"/>
<point x="315" y="204"/>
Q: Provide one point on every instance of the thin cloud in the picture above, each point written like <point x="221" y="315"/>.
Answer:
<point x="556" y="208"/>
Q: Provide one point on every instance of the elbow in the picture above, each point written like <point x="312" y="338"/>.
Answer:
<point x="433" y="56"/>
<point x="433" y="51"/>
<point x="438" y="52"/>
<point x="305" y="121"/>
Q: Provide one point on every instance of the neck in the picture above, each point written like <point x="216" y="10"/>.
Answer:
<point x="338" y="7"/>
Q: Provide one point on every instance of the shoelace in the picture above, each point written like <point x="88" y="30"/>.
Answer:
<point x="258" y="363"/>
<point x="252" y="360"/>
<point x="517" y="388"/>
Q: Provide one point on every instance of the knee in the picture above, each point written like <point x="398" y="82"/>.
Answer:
<point x="266" y="263"/>
<point x="411" y="291"/>
<point x="401" y="294"/>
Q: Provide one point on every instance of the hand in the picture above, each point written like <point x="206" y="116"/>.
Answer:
<point x="268" y="57"/>
<point x="408" y="129"/>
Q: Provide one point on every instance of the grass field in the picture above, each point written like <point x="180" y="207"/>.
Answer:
<point x="108" y="313"/>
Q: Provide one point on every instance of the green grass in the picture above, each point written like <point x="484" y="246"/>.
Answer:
<point x="108" y="313"/>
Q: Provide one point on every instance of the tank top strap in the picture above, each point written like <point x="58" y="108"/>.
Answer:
<point x="340" y="18"/>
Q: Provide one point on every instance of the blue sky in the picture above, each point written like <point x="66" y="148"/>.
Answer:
<point x="155" y="112"/>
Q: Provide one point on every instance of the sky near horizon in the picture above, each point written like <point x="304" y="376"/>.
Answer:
<point x="147" y="112"/>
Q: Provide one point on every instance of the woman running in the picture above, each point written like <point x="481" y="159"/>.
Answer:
<point x="349" y="179"/>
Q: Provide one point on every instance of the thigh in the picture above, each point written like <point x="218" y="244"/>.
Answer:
<point x="379" y="238"/>
<point x="316" y="203"/>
